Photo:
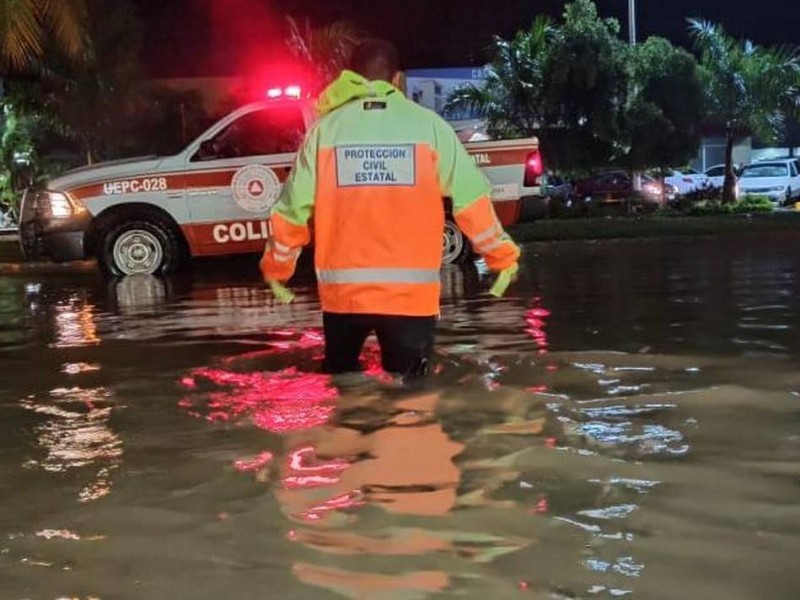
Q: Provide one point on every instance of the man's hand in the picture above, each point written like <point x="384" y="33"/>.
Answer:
<point x="282" y="293"/>
<point x="504" y="279"/>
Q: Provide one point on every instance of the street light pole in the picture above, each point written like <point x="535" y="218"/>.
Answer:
<point x="637" y="176"/>
<point x="632" y="21"/>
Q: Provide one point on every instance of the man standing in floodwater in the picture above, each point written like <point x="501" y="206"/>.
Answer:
<point x="373" y="172"/>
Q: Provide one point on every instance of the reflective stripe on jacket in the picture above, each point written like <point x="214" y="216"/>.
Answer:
<point x="373" y="172"/>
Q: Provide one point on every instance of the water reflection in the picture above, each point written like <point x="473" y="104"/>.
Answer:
<point x="76" y="435"/>
<point x="378" y="456"/>
<point x="75" y="324"/>
<point x="623" y="423"/>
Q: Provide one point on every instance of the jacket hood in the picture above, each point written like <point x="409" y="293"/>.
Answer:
<point x="351" y="86"/>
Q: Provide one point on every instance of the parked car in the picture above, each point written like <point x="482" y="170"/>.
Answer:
<point x="686" y="181"/>
<point x="779" y="180"/>
<point x="716" y="174"/>
<point x="556" y="199"/>
<point x="558" y="187"/>
<point x="615" y="186"/>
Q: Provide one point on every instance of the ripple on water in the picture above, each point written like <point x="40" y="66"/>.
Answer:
<point x="75" y="434"/>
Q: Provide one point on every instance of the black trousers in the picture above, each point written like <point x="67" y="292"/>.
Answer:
<point x="406" y="342"/>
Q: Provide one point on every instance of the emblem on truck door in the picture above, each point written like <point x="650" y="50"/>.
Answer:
<point x="255" y="188"/>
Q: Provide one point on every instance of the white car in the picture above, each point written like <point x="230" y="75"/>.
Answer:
<point x="716" y="175"/>
<point x="687" y="180"/>
<point x="779" y="180"/>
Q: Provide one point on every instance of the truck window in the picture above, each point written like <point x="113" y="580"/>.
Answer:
<point x="259" y="133"/>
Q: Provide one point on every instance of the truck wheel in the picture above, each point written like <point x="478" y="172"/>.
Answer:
<point x="455" y="247"/>
<point x="140" y="246"/>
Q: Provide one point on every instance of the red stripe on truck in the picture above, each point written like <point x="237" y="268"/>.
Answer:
<point x="155" y="182"/>
<point x="500" y="158"/>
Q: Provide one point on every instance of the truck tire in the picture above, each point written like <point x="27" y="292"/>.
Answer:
<point x="455" y="246"/>
<point x="141" y="245"/>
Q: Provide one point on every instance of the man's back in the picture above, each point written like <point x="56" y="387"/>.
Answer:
<point x="373" y="174"/>
<point x="379" y="202"/>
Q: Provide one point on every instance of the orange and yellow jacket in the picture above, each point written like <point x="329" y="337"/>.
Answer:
<point x="373" y="172"/>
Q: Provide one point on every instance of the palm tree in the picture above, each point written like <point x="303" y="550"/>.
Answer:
<point x="326" y="49"/>
<point x="748" y="88"/>
<point x="26" y="26"/>
<point x="511" y="95"/>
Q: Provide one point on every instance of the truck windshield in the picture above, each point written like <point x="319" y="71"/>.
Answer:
<point x="276" y="130"/>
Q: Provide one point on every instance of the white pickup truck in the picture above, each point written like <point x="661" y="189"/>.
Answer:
<point x="149" y="215"/>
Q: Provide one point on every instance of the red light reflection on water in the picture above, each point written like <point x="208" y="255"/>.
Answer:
<point x="310" y="339"/>
<point x="536" y="320"/>
<point x="279" y="401"/>
<point x="287" y="400"/>
<point x="304" y="470"/>
<point x="254" y="463"/>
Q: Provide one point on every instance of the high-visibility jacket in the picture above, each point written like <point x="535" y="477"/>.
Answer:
<point x="373" y="172"/>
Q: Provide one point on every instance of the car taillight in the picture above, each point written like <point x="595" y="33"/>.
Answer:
<point x="533" y="169"/>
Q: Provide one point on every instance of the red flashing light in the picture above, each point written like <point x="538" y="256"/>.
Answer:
<point x="291" y="91"/>
<point x="533" y="169"/>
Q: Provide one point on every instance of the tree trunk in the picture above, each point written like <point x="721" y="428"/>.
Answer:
<point x="729" y="187"/>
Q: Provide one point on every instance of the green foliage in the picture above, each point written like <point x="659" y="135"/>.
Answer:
<point x="103" y="104"/>
<point x="19" y="161"/>
<point x="512" y="95"/>
<point x="666" y="108"/>
<point x="586" y="86"/>
<point x="748" y="88"/>
<point x="591" y="99"/>
<point x="747" y="205"/>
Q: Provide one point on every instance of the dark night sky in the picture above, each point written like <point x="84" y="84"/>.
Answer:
<point x="215" y="37"/>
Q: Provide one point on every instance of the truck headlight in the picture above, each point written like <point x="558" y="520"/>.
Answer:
<point x="59" y="205"/>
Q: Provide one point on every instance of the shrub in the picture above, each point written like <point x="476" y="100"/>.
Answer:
<point x="754" y="204"/>
<point x="748" y="204"/>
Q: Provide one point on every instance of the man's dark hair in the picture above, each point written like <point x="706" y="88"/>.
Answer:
<point x="375" y="59"/>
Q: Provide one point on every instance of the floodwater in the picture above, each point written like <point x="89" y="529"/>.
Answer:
<point x="625" y="423"/>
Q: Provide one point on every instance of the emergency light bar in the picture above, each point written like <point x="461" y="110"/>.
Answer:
<point x="292" y="91"/>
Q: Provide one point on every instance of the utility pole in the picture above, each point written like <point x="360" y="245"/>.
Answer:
<point x="632" y="22"/>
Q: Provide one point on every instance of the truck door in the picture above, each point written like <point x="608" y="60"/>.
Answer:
<point x="235" y="176"/>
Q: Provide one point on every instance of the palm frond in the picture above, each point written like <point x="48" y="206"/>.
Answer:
<point x="67" y="20"/>
<point x="21" y="36"/>
<point x="326" y="48"/>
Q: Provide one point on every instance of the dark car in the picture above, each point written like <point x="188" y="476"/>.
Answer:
<point x="614" y="187"/>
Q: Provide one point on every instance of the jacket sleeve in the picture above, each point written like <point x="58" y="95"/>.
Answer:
<point x="464" y="183"/>
<point x="291" y="213"/>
